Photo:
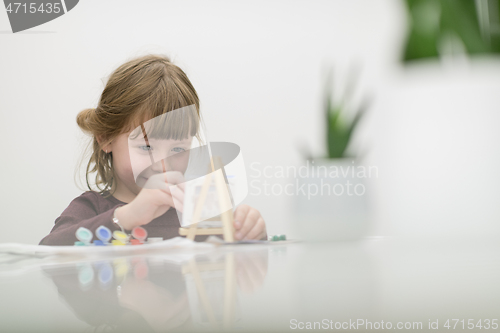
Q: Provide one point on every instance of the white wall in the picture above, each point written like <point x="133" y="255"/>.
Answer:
<point x="258" y="67"/>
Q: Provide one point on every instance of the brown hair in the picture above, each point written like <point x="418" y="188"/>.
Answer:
<point x="142" y="88"/>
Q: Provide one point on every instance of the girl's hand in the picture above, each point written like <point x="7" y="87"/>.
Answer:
<point x="153" y="200"/>
<point x="248" y="223"/>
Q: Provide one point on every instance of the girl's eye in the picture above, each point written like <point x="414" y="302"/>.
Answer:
<point x="178" y="149"/>
<point x="145" y="148"/>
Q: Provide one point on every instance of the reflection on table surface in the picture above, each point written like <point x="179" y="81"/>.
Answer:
<point x="256" y="287"/>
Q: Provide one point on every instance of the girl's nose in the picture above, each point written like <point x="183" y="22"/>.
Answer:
<point x="157" y="167"/>
<point x="166" y="164"/>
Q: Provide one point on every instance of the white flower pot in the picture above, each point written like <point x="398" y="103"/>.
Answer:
<point x="331" y="201"/>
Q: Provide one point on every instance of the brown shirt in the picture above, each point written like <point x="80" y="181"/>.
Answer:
<point x="91" y="210"/>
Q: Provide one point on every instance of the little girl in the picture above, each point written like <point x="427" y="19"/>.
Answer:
<point x="139" y="90"/>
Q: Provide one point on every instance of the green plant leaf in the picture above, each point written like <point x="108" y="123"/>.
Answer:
<point x="432" y="21"/>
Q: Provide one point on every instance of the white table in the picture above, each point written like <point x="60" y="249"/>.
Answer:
<point x="277" y="288"/>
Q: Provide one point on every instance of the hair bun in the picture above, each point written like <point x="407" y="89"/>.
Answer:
<point x="85" y="118"/>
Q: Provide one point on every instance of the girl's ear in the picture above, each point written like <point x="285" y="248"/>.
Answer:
<point x="106" y="148"/>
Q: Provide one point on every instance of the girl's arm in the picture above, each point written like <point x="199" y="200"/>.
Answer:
<point x="89" y="211"/>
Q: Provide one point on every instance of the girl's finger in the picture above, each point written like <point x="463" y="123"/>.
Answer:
<point x="178" y="205"/>
<point x="258" y="230"/>
<point x="239" y="216"/>
<point x="174" y="177"/>
<point x="174" y="198"/>
<point x="162" y="180"/>
<point x="250" y="220"/>
<point x="178" y="198"/>
<point x="167" y="199"/>
<point x="156" y="182"/>
<point x="177" y="193"/>
<point x="182" y="186"/>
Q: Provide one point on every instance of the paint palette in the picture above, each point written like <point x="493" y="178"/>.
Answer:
<point x="105" y="237"/>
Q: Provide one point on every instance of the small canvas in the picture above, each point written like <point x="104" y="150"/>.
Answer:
<point x="211" y="209"/>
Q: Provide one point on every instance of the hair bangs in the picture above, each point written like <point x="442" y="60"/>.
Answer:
<point x="169" y="113"/>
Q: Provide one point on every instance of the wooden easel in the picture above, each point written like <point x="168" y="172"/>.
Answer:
<point x="224" y="199"/>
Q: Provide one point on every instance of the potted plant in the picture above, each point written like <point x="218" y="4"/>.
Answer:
<point x="332" y="203"/>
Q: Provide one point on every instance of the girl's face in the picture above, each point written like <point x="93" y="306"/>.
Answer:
<point x="134" y="161"/>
